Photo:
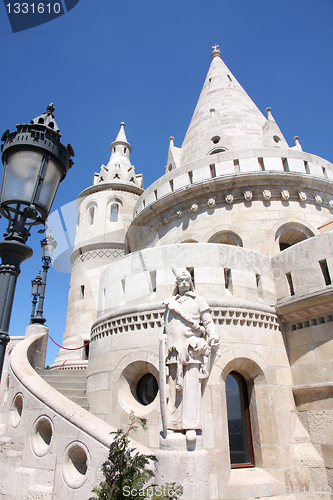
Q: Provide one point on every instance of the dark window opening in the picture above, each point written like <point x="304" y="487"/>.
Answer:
<point x="191" y="271"/>
<point x="212" y="170"/>
<point x="190" y="176"/>
<point x="86" y="349"/>
<point x="82" y="291"/>
<point x="239" y="425"/>
<point x="325" y="271"/>
<point x="283" y="246"/>
<point x="259" y="285"/>
<point x="227" y="279"/>
<point x="290" y="283"/>
<point x="261" y="163"/>
<point x="147" y="389"/>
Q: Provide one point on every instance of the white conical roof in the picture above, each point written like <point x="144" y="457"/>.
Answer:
<point x="119" y="167"/>
<point x="225" y="111"/>
<point x="121" y="138"/>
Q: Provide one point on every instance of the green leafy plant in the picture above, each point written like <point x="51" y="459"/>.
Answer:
<point x="126" y="471"/>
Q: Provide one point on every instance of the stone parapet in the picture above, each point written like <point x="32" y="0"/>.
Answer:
<point x="231" y="163"/>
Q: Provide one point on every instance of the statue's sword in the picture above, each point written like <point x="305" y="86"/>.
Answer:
<point x="162" y="381"/>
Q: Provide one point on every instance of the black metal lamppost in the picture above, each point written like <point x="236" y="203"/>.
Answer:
<point x="48" y="245"/>
<point x="35" y="162"/>
<point x="35" y="287"/>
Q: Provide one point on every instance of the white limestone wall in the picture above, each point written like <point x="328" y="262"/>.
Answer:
<point x="251" y="196"/>
<point x="124" y="347"/>
<point x="234" y="162"/>
<point x="50" y="448"/>
<point x="302" y="262"/>
<point x="146" y="277"/>
<point x="308" y="313"/>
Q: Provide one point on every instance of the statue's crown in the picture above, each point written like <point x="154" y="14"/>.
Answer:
<point x="181" y="272"/>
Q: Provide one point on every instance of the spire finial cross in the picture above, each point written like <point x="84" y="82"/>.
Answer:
<point x="216" y="51"/>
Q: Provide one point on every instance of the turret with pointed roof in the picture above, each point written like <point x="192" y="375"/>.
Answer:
<point x="119" y="166"/>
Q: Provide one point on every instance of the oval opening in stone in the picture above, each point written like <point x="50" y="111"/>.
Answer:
<point x="147" y="389"/>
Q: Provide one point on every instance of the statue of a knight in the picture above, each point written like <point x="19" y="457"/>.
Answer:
<point x="191" y="340"/>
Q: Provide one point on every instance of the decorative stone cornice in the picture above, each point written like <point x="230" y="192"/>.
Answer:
<point x="307" y="310"/>
<point x="150" y="316"/>
<point x="227" y="190"/>
<point x="110" y="186"/>
<point x="97" y="251"/>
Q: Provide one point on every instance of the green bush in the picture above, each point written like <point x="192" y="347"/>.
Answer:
<point x="126" y="472"/>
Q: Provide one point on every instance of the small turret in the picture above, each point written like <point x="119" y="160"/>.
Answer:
<point x="119" y="167"/>
<point x="272" y="135"/>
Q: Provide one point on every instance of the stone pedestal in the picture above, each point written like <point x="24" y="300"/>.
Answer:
<point x="184" y="463"/>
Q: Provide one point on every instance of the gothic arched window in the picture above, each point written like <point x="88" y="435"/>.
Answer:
<point x="91" y="215"/>
<point x="114" y="210"/>
<point x="239" y="427"/>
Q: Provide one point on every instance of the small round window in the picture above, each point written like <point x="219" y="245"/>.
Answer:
<point x="146" y="389"/>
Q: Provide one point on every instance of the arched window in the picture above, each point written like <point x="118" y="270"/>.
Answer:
<point x="291" y="233"/>
<point x="114" y="210"/>
<point x="226" y="238"/>
<point x="91" y="215"/>
<point x="239" y="427"/>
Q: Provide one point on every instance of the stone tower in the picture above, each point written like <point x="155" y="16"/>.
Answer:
<point x="240" y="209"/>
<point x="105" y="211"/>
<point x="244" y="215"/>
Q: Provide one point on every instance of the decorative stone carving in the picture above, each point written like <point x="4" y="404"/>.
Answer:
<point x="187" y="349"/>
<point x="211" y="202"/>
<point x="302" y="196"/>
<point x="229" y="198"/>
<point x="330" y="203"/>
<point x="318" y="199"/>
<point x="267" y="194"/>
<point x="248" y="195"/>
<point x="285" y="194"/>
<point x="194" y="207"/>
<point x="179" y="213"/>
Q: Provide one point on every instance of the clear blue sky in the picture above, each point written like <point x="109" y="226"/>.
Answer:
<point x="144" y="62"/>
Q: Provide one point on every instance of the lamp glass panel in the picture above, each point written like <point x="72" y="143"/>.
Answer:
<point x="48" y="249"/>
<point x="34" y="287"/>
<point x="50" y="185"/>
<point x="21" y="174"/>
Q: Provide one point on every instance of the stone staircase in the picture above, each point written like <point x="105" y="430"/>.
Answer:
<point x="71" y="383"/>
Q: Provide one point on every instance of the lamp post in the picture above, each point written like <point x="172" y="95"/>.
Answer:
<point x="35" y="162"/>
<point x="48" y="245"/>
<point x="35" y="287"/>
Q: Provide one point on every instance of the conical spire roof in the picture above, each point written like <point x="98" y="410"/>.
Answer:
<point x="119" y="167"/>
<point x="225" y="117"/>
<point x="121" y="138"/>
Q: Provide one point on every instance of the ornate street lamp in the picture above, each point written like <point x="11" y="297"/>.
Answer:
<point x="48" y="245"/>
<point x="35" y="162"/>
<point x="35" y="287"/>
